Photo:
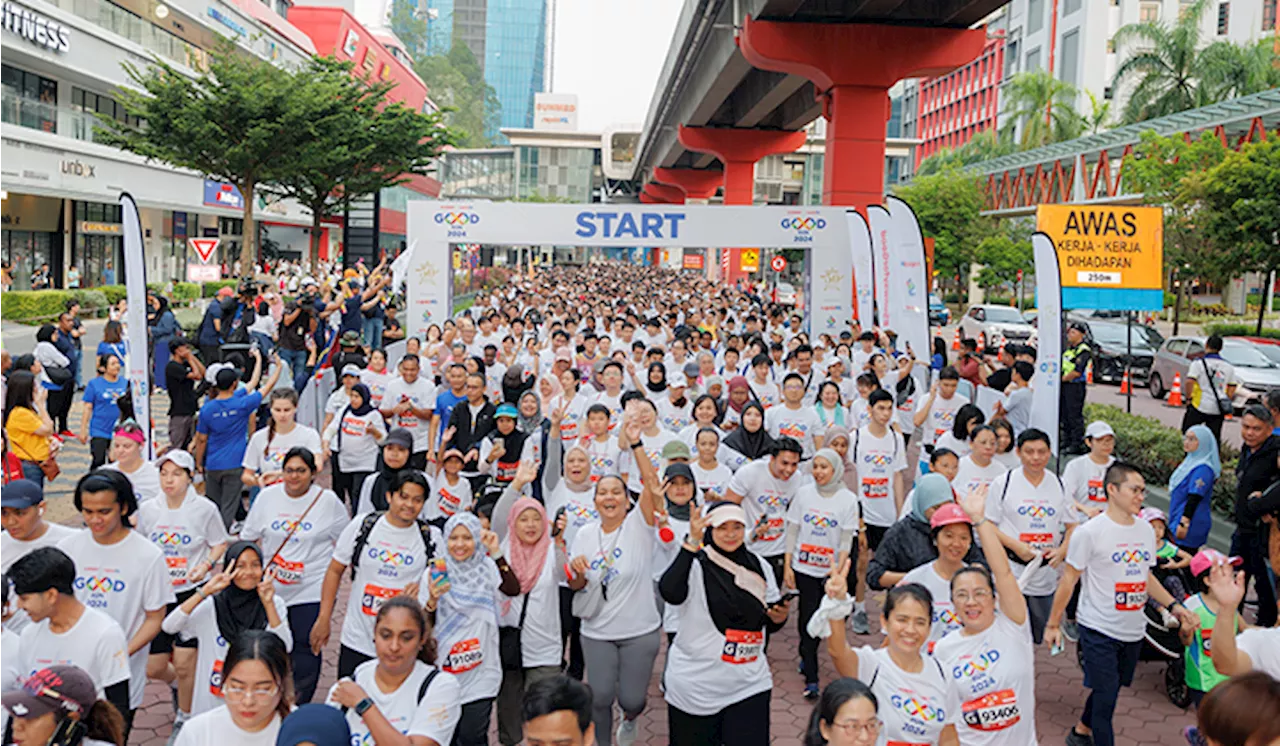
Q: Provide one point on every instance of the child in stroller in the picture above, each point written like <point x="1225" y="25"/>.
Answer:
<point x="1172" y="563"/>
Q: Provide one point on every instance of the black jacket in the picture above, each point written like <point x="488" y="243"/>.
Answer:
<point x="1256" y="473"/>
<point x="907" y="545"/>
<point x="468" y="434"/>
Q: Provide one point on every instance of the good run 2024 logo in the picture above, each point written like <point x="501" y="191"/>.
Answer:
<point x="803" y="227"/>
<point x="456" y="219"/>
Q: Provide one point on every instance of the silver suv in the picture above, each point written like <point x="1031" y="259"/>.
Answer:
<point x="995" y="325"/>
<point x="1256" y="372"/>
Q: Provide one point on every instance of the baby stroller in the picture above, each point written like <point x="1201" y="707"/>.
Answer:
<point x="1162" y="644"/>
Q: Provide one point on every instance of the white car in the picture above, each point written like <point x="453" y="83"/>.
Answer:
<point x="993" y="326"/>
<point x="784" y="293"/>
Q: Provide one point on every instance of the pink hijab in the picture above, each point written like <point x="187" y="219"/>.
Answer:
<point x="527" y="560"/>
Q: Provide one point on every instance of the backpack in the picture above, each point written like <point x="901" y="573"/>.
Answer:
<point x="366" y="528"/>
<point x="422" y="690"/>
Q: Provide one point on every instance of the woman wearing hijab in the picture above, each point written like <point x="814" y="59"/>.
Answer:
<point x="551" y="392"/>
<point x="57" y="377"/>
<point x="164" y="327"/>
<point x="1190" y="488"/>
<point x="354" y="435"/>
<point x="655" y="384"/>
<point x="718" y="683"/>
<point x="537" y="429"/>
<point x="739" y="395"/>
<point x="393" y="455"/>
<point x="463" y="605"/>
<point x="749" y="441"/>
<point x="821" y="524"/>
<point x="908" y="543"/>
<point x="241" y="600"/>
<point x="571" y="505"/>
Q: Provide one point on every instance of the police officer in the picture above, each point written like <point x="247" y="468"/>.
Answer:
<point x="1075" y="360"/>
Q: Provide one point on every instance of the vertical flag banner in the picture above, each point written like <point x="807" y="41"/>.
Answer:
<point x="429" y="274"/>
<point x="1046" y="385"/>
<point x="908" y="280"/>
<point x="829" y="281"/>
<point x="863" y="275"/>
<point x="137" y="358"/>
<point x="881" y="224"/>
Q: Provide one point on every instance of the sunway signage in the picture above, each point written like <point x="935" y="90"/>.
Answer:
<point x="204" y="248"/>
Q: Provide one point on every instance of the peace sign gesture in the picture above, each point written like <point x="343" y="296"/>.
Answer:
<point x="838" y="581"/>
<point x="697" y="523"/>
<point x="557" y="416"/>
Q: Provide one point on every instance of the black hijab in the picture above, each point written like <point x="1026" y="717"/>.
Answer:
<point x="235" y="609"/>
<point x="660" y="386"/>
<point x="731" y="606"/>
<point x="382" y="477"/>
<point x="365" y="408"/>
<point x="752" y="445"/>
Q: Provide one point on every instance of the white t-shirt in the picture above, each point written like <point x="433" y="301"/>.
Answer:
<point x="877" y="460"/>
<point x="766" y="500"/>
<point x="1202" y="394"/>
<point x="672" y="417"/>
<point x="422" y="394"/>
<point x="392" y="559"/>
<point x="653" y="445"/>
<point x="1115" y="562"/>
<point x="914" y="707"/>
<point x="612" y="402"/>
<point x="540" y="641"/>
<point x="12" y="550"/>
<point x="185" y="535"/>
<point x="468" y="649"/>
<point x="301" y="562"/>
<point x="216" y="728"/>
<point x="145" y="480"/>
<point x="711" y="482"/>
<point x="949" y="441"/>
<point x="1263" y="648"/>
<point x="605" y="456"/>
<point x="624" y="560"/>
<point x="945" y="618"/>
<point x="493" y="380"/>
<point x="359" y="445"/>
<point x="820" y="521"/>
<point x="94" y="643"/>
<point x="202" y="625"/>
<point x="124" y="580"/>
<point x="377" y="383"/>
<point x="859" y="413"/>
<point x="434" y="717"/>
<point x="765" y="393"/>
<point x="802" y="424"/>
<point x="993" y="676"/>
<point x="579" y="510"/>
<point x="1083" y="480"/>
<point x="447" y="499"/>
<point x="262" y="457"/>
<point x="970" y="476"/>
<point x="1035" y="515"/>
<point x="708" y="670"/>
<point x="942" y="414"/>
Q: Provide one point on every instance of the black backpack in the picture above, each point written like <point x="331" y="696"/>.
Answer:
<point x="366" y="528"/>
<point x="422" y="690"/>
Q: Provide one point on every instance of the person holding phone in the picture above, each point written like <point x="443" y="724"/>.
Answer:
<point x="59" y="706"/>
<point x="718" y="682"/>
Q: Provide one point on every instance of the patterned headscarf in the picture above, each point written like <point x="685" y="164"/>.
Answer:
<point x="473" y="582"/>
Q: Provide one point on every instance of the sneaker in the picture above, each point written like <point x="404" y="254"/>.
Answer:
<point x="67" y="435"/>
<point x="860" y="624"/>
<point x="1078" y="739"/>
<point x="626" y="735"/>
<point x="1192" y="734"/>
<point x="810" y="691"/>
<point x="1071" y="630"/>
<point x="236" y="528"/>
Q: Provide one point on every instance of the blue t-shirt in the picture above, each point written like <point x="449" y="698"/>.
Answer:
<point x="102" y="394"/>
<point x="209" y="335"/>
<point x="112" y="348"/>
<point x="226" y="422"/>
<point x="1198" y="482"/>
<point x="445" y="402"/>
<point x="352" y="317"/>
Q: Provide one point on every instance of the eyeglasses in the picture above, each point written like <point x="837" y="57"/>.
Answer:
<point x="297" y="471"/>
<point x="853" y="728"/>
<point x="964" y="596"/>
<point x="231" y="691"/>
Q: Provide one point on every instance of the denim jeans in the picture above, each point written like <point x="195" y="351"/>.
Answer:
<point x="1109" y="664"/>
<point x="296" y="360"/>
<point x="77" y="361"/>
<point x="373" y="333"/>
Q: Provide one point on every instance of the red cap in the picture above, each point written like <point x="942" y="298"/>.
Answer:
<point x="947" y="514"/>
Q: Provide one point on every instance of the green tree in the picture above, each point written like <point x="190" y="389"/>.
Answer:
<point x="361" y="143"/>
<point x="457" y="84"/>
<point x="1099" y="116"/>
<point x="983" y="146"/>
<point x="1043" y="106"/>
<point x="1241" y="198"/>
<point x="409" y="27"/>
<point x="1235" y="70"/>
<point x="948" y="205"/>
<point x="241" y="121"/>
<point x="1002" y="256"/>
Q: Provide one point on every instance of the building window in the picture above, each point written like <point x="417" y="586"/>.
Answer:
<point x="88" y="103"/>
<point x="1011" y="59"/>
<point x="1070" y="57"/>
<point x="1033" y="60"/>
<point x="1035" y="16"/>
<point x="30" y="100"/>
<point x="1224" y="17"/>
<point x="1070" y="6"/>
<point x="1269" y="16"/>
<point x="1148" y="12"/>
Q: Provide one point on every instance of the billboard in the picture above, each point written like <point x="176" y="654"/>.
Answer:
<point x="555" y="111"/>
<point x="1108" y="256"/>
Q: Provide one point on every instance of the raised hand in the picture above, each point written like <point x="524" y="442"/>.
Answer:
<point x="837" y="585"/>
<point x="491" y="544"/>
<point x="267" y="588"/>
<point x="1228" y="586"/>
<point x="975" y="503"/>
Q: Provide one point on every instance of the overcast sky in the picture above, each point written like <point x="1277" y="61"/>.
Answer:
<point x="610" y="53"/>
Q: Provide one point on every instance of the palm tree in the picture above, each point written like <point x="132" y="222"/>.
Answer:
<point x="981" y="147"/>
<point x="1230" y="70"/>
<point x="1044" y="106"/>
<point x="1099" y="113"/>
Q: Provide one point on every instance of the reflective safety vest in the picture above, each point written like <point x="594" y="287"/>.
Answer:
<point x="1069" y="358"/>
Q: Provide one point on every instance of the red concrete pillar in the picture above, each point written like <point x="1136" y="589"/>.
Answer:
<point x="738" y="150"/>
<point x="697" y="183"/>
<point x="664" y="193"/>
<point x="853" y="65"/>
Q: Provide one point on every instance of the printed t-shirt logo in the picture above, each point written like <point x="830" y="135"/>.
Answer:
<point x="167" y="539"/>
<point x="821" y="521"/>
<point x="388" y="557"/>
<point x="975" y="665"/>
<point x="1130" y="556"/>
<point x="878" y="459"/>
<point x="288" y="525"/>
<point x="100" y="584"/>
<point x="915" y="707"/>
<point x="1037" y="511"/>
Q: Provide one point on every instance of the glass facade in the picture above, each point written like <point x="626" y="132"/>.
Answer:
<point x="137" y="29"/>
<point x="30" y="100"/>
<point x="515" y="56"/>
<point x="556" y="173"/>
<point x="489" y="174"/>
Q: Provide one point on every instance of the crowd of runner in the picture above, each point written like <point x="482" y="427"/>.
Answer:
<point x="588" y="466"/>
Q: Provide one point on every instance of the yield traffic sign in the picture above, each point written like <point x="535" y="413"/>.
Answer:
<point x="204" y="247"/>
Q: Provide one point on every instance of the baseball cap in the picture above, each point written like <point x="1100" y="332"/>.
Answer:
<point x="226" y="292"/>
<point x="399" y="437"/>
<point x="1207" y="558"/>
<point x="1098" y="429"/>
<point x="1152" y="514"/>
<point x="21" y="494"/>
<point x="350" y="338"/>
<point x="948" y="514"/>
<point x="179" y="457"/>
<point x="351" y="369"/>
<point x="677" y="380"/>
<point x="564" y="354"/>
<point x="726" y="512"/>
<point x="507" y="410"/>
<point x="678" y="470"/>
<point x="676" y="449"/>
<point x="56" y="688"/>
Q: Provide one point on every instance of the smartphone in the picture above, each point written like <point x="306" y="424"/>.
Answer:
<point x="1057" y="649"/>
<point x="438" y="571"/>
<point x="499" y="442"/>
<point x="69" y="733"/>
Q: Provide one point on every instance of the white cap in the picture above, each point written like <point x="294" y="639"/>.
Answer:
<point x="211" y="373"/>
<point x="1098" y="429"/>
<point x="351" y="369"/>
<point x="677" y="380"/>
<point x="179" y="457"/>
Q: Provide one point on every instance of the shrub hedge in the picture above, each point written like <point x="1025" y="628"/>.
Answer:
<point x="1240" y="330"/>
<point x="1156" y="450"/>
<point x="211" y="288"/>
<point x="38" y="306"/>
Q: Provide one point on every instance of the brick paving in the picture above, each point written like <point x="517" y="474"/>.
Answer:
<point x="1145" y="717"/>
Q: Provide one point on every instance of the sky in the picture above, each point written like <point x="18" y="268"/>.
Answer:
<point x="610" y="53"/>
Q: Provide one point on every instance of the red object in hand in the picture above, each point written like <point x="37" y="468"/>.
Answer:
<point x="666" y="534"/>
<point x="568" y="571"/>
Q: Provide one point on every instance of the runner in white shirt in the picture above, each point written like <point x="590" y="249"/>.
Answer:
<point x="297" y="523"/>
<point x="611" y="397"/>
<point x="118" y="571"/>
<point x="918" y="705"/>
<point x="1082" y="477"/>
<point x="1112" y="555"/>
<point x="570" y="505"/>
<point x="573" y="425"/>
<point x="711" y="475"/>
<point x="1256" y="649"/>
<point x="653" y="438"/>
<point x="408" y="402"/>
<point x="793" y="419"/>
<point x="422" y="702"/>
<point x="340" y="399"/>
<point x="936" y="412"/>
<point x="822" y="523"/>
<point x="238" y="599"/>
<point x="675" y="411"/>
<point x="978" y="468"/>
<point x="765" y="488"/>
<point x="354" y="435"/>
<point x="601" y="446"/>
<point x="760" y="381"/>
<point x="991" y="660"/>
<point x="388" y="551"/>
<point x="126" y="458"/>
<point x="255" y="685"/>
<point x="25" y="530"/>
<point x="450" y="491"/>
<point x="267" y="447"/>
<point x="377" y="376"/>
<point x="880" y="457"/>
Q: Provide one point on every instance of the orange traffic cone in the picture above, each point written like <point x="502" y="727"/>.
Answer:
<point x="955" y="341"/>
<point x="1175" y="393"/>
<point x="1124" y="383"/>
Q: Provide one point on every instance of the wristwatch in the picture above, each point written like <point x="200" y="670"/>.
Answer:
<point x="363" y="706"/>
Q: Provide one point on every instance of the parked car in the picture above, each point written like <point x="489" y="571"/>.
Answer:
<point x="784" y="293"/>
<point x="995" y="325"/>
<point x="1266" y="345"/>
<point x="939" y="314"/>
<point x="1031" y="315"/>
<point x="1257" y="373"/>
<point x="1111" y="344"/>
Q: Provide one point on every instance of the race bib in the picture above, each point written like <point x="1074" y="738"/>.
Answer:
<point x="771" y="529"/>
<point x="741" y="646"/>
<point x="906" y="743"/>
<point x="1038" y="542"/>
<point x="816" y="556"/>
<point x="1206" y="634"/>
<point x="449" y="503"/>
<point x="568" y="428"/>
<point x="875" y="487"/>
<point x="215" y="679"/>
<point x="994" y="711"/>
<point x="177" y="570"/>
<point x="408" y="421"/>
<point x="463" y="656"/>
<point x="1097" y="492"/>
<point x="1130" y="596"/>
<point x="354" y="426"/>
<point x="287" y="573"/>
<point x="374" y="596"/>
